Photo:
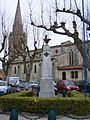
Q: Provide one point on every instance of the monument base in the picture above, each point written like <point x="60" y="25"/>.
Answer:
<point x="46" y="94"/>
<point x="46" y="88"/>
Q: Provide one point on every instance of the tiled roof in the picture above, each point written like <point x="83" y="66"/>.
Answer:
<point x="70" y="67"/>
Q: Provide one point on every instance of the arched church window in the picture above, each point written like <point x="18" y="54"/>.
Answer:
<point x="70" y="57"/>
<point x="35" y="69"/>
<point x="56" y="51"/>
<point x="15" y="70"/>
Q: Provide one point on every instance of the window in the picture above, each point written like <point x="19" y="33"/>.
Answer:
<point x="18" y="69"/>
<point x="56" y="51"/>
<point x="28" y="65"/>
<point x="15" y="70"/>
<point x="63" y="75"/>
<point x="24" y="70"/>
<point x="34" y="68"/>
<point x="74" y="74"/>
<point x="70" y="57"/>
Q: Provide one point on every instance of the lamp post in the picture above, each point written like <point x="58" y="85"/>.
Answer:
<point x="84" y="47"/>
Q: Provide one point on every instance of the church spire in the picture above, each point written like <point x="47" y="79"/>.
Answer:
<point x="18" y="19"/>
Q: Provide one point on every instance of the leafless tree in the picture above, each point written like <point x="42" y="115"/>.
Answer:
<point x="4" y="34"/>
<point x="3" y="39"/>
<point x="72" y="10"/>
<point x="28" y="65"/>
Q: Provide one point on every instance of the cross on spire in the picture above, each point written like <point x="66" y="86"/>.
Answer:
<point x="46" y="39"/>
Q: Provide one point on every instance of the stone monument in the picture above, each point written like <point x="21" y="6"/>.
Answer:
<point x="46" y="82"/>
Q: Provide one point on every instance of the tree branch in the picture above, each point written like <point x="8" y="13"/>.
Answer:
<point x="77" y="13"/>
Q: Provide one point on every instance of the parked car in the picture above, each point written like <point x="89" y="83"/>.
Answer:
<point x="28" y="87"/>
<point x="19" y="88"/>
<point x="13" y="81"/>
<point x="55" y="88"/>
<point x="81" y="84"/>
<point x="66" y="85"/>
<point x="34" y="83"/>
<point x="23" y="85"/>
<point x="4" y="87"/>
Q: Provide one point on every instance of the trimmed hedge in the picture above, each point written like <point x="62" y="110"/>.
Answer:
<point x="69" y="105"/>
<point x="74" y="93"/>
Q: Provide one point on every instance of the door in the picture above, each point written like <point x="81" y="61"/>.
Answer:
<point x="63" y="75"/>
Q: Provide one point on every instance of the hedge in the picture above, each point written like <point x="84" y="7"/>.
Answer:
<point x="23" y="103"/>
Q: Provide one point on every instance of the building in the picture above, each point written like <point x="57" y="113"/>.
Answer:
<point x="2" y="75"/>
<point x="67" y="62"/>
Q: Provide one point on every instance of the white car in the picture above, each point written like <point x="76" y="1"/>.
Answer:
<point x="13" y="81"/>
<point x="4" y="88"/>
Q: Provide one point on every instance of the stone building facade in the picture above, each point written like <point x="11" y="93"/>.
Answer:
<point x="67" y="62"/>
<point x="2" y="75"/>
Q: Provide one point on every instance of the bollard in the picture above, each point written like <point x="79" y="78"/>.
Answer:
<point x="14" y="114"/>
<point x="64" y="93"/>
<point x="51" y="115"/>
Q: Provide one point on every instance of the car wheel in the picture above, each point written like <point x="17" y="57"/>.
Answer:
<point x="7" y="91"/>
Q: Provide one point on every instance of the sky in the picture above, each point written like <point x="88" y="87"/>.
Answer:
<point x="10" y="8"/>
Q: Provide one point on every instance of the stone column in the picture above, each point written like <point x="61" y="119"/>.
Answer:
<point x="46" y="82"/>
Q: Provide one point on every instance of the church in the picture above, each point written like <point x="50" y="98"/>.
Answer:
<point x="67" y="62"/>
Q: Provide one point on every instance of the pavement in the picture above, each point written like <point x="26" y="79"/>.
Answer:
<point x="25" y="116"/>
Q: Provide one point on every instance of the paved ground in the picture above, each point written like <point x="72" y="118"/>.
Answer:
<point x="31" y="117"/>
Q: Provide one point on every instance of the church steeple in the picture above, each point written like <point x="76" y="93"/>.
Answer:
<point x="17" y="35"/>
<point x="18" y="19"/>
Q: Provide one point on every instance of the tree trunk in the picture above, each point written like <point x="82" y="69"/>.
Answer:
<point x="29" y="70"/>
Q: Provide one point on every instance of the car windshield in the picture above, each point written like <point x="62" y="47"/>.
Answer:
<point x="69" y="83"/>
<point x="34" y="82"/>
<point x="21" y="84"/>
<point x="3" y="84"/>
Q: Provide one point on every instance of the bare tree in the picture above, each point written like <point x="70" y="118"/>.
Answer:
<point x="4" y="34"/>
<point x="28" y="64"/>
<point x="3" y="39"/>
<point x="69" y="9"/>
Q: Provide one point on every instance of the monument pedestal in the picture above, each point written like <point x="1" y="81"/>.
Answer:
<point x="46" y="88"/>
<point x="46" y="82"/>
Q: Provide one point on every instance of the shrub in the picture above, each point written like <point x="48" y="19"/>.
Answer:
<point x="63" y="105"/>
<point x="24" y="93"/>
<point x="74" y="93"/>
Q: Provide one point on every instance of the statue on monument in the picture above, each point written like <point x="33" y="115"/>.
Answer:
<point x="46" y="40"/>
